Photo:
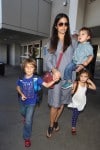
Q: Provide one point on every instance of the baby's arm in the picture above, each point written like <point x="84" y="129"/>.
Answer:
<point x="89" y="59"/>
<point x="85" y="63"/>
<point x="91" y="85"/>
<point x="20" y="92"/>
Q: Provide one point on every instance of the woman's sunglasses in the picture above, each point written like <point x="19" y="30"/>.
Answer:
<point x="61" y="24"/>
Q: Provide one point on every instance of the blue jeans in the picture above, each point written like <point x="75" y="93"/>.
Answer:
<point x="68" y="71"/>
<point x="27" y="112"/>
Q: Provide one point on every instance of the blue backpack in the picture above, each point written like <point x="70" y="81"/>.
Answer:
<point x="37" y="90"/>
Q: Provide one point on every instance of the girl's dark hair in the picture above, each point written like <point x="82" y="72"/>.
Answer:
<point x="88" y="30"/>
<point x="83" y="71"/>
<point x="54" y="36"/>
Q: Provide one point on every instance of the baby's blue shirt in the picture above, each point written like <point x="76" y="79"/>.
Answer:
<point x="82" y="52"/>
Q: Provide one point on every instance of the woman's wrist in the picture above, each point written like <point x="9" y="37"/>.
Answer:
<point x="54" y="70"/>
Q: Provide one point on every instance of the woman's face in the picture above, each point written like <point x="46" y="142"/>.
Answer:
<point x="62" y="25"/>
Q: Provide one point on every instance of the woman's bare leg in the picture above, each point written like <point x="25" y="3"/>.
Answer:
<point x="54" y="116"/>
<point x="59" y="112"/>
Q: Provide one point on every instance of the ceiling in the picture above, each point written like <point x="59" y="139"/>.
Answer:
<point x="10" y="36"/>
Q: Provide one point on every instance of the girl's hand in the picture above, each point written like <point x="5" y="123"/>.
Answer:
<point x="91" y="85"/>
<point x="89" y="81"/>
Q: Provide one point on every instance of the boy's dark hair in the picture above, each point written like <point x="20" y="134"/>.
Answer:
<point x="88" y="30"/>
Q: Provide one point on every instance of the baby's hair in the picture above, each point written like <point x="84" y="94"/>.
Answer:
<point x="88" y="32"/>
<point x="29" y="61"/>
<point x="83" y="71"/>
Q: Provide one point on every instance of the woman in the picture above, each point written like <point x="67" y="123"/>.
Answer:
<point x="60" y="42"/>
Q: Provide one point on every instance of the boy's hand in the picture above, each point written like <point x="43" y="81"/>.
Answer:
<point x="23" y="97"/>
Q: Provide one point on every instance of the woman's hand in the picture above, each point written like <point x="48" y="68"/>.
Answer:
<point x="56" y="74"/>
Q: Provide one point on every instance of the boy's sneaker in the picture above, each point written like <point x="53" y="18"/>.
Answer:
<point x="27" y="143"/>
<point x="67" y="85"/>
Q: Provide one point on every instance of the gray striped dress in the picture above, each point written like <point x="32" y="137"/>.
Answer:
<point x="58" y="96"/>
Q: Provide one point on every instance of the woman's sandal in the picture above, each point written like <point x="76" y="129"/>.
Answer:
<point x="73" y="131"/>
<point x="56" y="126"/>
<point x="49" y="132"/>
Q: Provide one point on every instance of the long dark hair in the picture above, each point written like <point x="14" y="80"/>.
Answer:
<point x="54" y="37"/>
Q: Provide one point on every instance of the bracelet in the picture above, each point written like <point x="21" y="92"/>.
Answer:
<point x="82" y="65"/>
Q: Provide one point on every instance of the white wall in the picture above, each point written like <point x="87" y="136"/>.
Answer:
<point x="80" y="14"/>
<point x="27" y="16"/>
<point x="73" y="10"/>
<point x="92" y="13"/>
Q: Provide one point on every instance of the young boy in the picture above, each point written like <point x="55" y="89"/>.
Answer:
<point x="26" y="89"/>
<point x="83" y="55"/>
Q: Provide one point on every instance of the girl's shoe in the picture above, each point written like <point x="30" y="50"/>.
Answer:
<point x="73" y="131"/>
<point x="27" y="143"/>
<point x="49" y="132"/>
<point x="56" y="126"/>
